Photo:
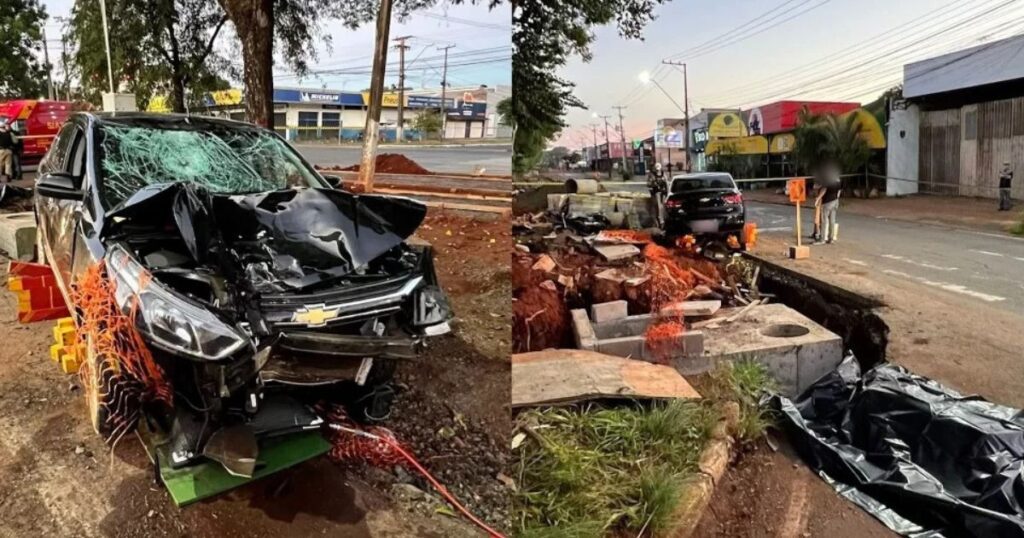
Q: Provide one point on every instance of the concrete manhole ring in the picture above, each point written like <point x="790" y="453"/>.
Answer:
<point x="785" y="330"/>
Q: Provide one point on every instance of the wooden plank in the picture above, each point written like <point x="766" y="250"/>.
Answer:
<point x="565" y="376"/>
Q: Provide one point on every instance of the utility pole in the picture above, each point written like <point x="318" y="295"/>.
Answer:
<point x="49" y="68"/>
<point x="686" y="111"/>
<point x="444" y="91"/>
<point x="593" y="129"/>
<point x="368" y="165"/>
<point x="401" y="46"/>
<point x="607" y="144"/>
<point x="622" y="137"/>
<point x="106" y="42"/>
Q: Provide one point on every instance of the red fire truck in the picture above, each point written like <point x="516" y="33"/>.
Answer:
<point x="36" y="122"/>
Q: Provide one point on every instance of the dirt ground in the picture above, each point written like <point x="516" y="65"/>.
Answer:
<point x="767" y="494"/>
<point x="969" y="346"/>
<point x="61" y="480"/>
<point x="959" y="211"/>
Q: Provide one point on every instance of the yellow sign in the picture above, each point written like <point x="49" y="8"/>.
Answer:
<point x="726" y="125"/>
<point x="782" y="143"/>
<point x="748" y="145"/>
<point x="314" y="317"/>
<point x="227" y="97"/>
<point x="870" y="130"/>
<point x="158" y="103"/>
<point x="388" y="100"/>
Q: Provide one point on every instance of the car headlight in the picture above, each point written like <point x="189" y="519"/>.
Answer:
<point x="431" y="307"/>
<point x="167" y="319"/>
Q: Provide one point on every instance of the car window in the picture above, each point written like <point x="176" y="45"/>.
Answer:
<point x="694" y="183"/>
<point x="223" y="159"/>
<point x="76" y="160"/>
<point x="57" y="156"/>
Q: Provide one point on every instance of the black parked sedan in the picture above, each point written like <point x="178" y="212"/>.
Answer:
<point x="246" y="274"/>
<point x="706" y="203"/>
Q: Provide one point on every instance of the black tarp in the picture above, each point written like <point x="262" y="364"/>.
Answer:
<point x="922" y="458"/>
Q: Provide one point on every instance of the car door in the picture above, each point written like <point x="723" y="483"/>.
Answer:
<point x="59" y="220"/>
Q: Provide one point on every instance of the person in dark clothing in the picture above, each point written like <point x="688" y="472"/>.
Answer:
<point x="19" y="149"/>
<point x="1005" y="180"/>
<point x="7" y="146"/>
<point x="657" y="184"/>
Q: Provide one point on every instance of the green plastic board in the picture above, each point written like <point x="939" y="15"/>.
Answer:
<point x="197" y="482"/>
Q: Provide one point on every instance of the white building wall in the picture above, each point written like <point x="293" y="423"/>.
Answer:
<point x="902" y="152"/>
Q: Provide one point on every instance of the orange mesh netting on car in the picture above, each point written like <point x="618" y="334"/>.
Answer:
<point x="119" y="373"/>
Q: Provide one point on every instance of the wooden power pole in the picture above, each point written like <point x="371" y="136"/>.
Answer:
<point x="400" y="129"/>
<point x="622" y="137"/>
<point x="380" y="59"/>
<point x="686" y="112"/>
<point x="444" y="91"/>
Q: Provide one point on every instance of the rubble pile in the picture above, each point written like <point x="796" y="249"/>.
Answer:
<point x="392" y="163"/>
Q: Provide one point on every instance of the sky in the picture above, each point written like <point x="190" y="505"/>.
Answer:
<point x="751" y="52"/>
<point x="482" y="52"/>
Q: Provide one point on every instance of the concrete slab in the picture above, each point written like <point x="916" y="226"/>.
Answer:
<point x="610" y="311"/>
<point x="18" y="235"/>
<point x="796" y="350"/>
<point x="614" y="253"/>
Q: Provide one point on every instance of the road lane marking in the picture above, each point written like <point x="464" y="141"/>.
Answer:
<point x="987" y="253"/>
<point x="856" y="262"/>
<point x="926" y="265"/>
<point x="955" y="288"/>
<point x="776" y="229"/>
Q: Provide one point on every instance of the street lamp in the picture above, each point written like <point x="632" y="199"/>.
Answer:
<point x="645" y="78"/>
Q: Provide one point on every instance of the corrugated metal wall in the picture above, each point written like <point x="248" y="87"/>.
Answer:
<point x="962" y="150"/>
<point x="939" y="155"/>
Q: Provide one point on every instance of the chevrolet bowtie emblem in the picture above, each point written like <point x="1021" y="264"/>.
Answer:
<point x="316" y="316"/>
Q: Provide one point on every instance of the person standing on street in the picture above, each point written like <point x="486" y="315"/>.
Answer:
<point x="657" y="184"/>
<point x="1005" y="180"/>
<point x="7" y="146"/>
<point x="832" y="188"/>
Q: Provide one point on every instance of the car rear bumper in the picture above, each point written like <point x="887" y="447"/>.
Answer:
<point x="725" y="225"/>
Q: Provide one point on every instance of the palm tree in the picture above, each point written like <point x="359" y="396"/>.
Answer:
<point x="828" y="138"/>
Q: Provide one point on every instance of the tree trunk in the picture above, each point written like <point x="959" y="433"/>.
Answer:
<point x="253" y="22"/>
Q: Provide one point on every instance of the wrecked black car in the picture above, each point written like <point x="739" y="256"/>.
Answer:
<point x="247" y="276"/>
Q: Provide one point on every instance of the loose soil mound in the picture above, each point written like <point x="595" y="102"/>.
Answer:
<point x="540" y="319"/>
<point x="393" y="163"/>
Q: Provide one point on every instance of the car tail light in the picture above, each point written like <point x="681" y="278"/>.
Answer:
<point x="673" y="203"/>
<point x="734" y="198"/>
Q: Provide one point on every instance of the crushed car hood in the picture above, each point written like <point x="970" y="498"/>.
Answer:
<point x="297" y="237"/>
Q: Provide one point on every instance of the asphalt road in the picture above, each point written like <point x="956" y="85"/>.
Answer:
<point x="969" y="265"/>
<point x="496" y="159"/>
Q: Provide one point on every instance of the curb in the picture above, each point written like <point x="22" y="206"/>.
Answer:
<point x="697" y="490"/>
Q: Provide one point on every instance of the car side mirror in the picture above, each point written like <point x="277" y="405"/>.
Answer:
<point x="58" y="185"/>
<point x="334" y="181"/>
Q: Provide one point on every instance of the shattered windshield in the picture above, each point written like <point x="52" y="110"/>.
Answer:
<point x="223" y="159"/>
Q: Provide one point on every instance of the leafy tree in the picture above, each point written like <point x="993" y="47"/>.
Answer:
<point x="429" y="123"/>
<point x="21" y="72"/>
<point x="545" y="33"/>
<point x="156" y="46"/>
<point x="293" y="27"/>
<point x="505" y="114"/>
<point x="828" y="138"/>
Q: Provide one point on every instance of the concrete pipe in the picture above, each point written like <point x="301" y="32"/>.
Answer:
<point x="581" y="186"/>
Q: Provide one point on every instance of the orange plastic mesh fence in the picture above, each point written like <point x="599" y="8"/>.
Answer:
<point x="119" y="372"/>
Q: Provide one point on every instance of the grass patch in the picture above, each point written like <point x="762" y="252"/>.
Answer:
<point x="1018" y="227"/>
<point x="744" y="382"/>
<point x="592" y="471"/>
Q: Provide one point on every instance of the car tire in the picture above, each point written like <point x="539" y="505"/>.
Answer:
<point x="104" y="387"/>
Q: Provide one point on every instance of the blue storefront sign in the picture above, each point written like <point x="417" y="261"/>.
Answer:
<point x="326" y="97"/>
